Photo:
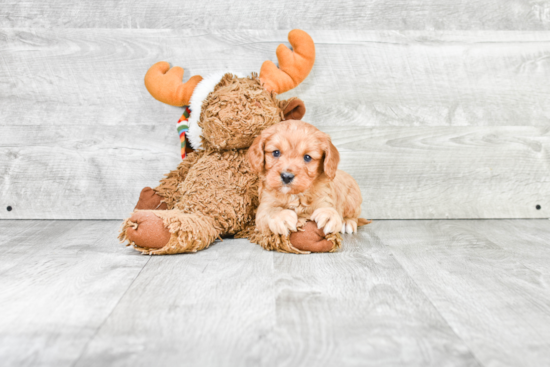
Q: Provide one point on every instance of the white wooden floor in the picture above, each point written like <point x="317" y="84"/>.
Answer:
<point x="411" y="293"/>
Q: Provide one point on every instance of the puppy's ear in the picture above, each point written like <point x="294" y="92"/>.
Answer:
<point x="255" y="153"/>
<point x="332" y="157"/>
<point x="293" y="109"/>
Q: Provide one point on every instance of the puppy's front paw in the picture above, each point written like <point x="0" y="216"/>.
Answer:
<point x="327" y="218"/>
<point x="349" y="226"/>
<point x="284" y="220"/>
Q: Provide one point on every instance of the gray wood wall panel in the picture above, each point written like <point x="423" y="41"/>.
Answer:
<point x="430" y="172"/>
<point x="433" y="124"/>
<point x="249" y="14"/>
<point x="449" y="172"/>
<point x="360" y="78"/>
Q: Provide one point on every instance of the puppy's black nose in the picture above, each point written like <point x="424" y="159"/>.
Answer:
<point x="287" y="177"/>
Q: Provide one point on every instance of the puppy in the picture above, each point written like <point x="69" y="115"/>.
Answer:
<point x="297" y="164"/>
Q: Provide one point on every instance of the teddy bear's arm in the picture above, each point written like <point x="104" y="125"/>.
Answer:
<point x="168" y="188"/>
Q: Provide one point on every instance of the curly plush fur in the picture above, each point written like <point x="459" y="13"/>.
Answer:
<point x="214" y="192"/>
<point x="275" y="242"/>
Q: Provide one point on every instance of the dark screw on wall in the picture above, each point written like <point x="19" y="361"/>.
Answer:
<point x="538" y="207"/>
<point x="9" y="208"/>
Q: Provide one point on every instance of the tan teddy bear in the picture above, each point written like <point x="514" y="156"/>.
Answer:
<point x="214" y="193"/>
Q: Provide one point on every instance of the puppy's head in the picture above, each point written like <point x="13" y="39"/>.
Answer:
<point x="291" y="155"/>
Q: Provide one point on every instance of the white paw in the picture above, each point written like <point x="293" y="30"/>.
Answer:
<point x="349" y="226"/>
<point x="327" y="218"/>
<point x="283" y="221"/>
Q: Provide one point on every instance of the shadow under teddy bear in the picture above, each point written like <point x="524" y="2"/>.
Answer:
<point x="213" y="192"/>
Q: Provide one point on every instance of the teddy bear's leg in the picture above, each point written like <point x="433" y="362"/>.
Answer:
<point x="307" y="239"/>
<point x="145" y="230"/>
<point x="150" y="200"/>
<point x="162" y="232"/>
<point x="313" y="239"/>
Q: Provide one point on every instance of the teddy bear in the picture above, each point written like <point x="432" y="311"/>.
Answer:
<point x="213" y="193"/>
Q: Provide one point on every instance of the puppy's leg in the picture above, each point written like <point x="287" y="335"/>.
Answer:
<point x="352" y="205"/>
<point x="329" y="218"/>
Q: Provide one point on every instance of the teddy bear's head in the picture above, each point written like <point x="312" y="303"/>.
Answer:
<point x="238" y="110"/>
<point x="229" y="110"/>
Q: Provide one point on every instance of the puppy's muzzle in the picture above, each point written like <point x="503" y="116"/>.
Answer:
<point x="287" y="177"/>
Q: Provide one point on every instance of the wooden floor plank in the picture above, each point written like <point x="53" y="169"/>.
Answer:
<point x="485" y="280"/>
<point x="354" y="308"/>
<point x="60" y="281"/>
<point x="203" y="309"/>
<point x="265" y="14"/>
<point x="324" y="310"/>
<point x="528" y="241"/>
<point x="439" y="293"/>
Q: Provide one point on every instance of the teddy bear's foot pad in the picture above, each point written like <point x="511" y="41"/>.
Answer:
<point x="146" y="230"/>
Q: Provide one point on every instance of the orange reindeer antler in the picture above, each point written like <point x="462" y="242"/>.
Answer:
<point x="293" y="66"/>
<point x="165" y="84"/>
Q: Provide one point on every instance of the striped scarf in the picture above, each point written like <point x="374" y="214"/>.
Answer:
<point x="183" y="128"/>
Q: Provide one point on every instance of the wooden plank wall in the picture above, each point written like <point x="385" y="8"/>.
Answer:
<point x="280" y="14"/>
<point x="440" y="109"/>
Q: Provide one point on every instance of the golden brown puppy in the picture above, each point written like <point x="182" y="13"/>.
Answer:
<point x="297" y="164"/>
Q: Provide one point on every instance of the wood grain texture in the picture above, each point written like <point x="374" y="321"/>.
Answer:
<point x="532" y="250"/>
<point x="459" y="120"/>
<point x="399" y="293"/>
<point x="247" y="14"/>
<point x="357" y="307"/>
<point x="360" y="78"/>
<point x="488" y="279"/>
<point x="448" y="172"/>
<point x="422" y="172"/>
<point x="234" y="304"/>
<point x="203" y="309"/>
<point x="60" y="281"/>
<point x="81" y="171"/>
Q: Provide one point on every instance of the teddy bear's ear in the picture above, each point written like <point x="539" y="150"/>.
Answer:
<point x="295" y="109"/>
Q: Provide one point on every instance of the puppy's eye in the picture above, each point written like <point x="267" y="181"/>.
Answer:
<point x="276" y="153"/>
<point x="307" y="158"/>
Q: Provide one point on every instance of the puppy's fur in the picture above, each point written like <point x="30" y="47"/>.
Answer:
<point x="318" y="190"/>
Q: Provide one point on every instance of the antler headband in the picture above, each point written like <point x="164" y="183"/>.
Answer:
<point x="165" y="83"/>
